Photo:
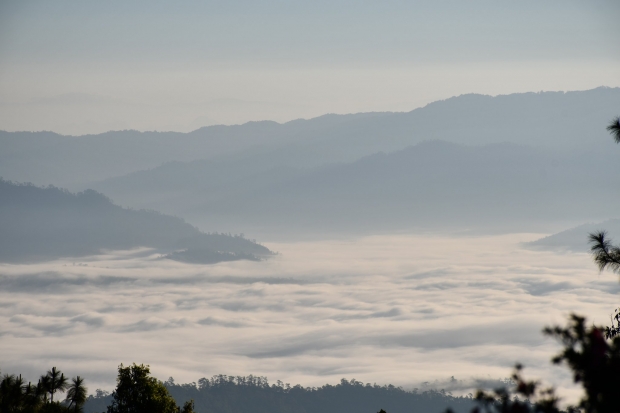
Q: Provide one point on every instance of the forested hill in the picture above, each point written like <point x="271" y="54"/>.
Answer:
<point x="47" y="223"/>
<point x="228" y="394"/>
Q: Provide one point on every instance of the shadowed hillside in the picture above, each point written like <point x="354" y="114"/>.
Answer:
<point x="432" y="185"/>
<point x="46" y="223"/>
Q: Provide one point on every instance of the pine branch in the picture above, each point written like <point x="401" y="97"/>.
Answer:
<point x="614" y="129"/>
<point x="605" y="254"/>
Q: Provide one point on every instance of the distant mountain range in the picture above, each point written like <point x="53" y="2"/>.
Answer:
<point x="49" y="223"/>
<point x="576" y="239"/>
<point x="432" y="185"/>
<point x="527" y="162"/>
<point x="552" y="119"/>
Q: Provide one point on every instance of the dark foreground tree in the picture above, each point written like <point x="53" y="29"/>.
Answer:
<point x="43" y="386"/>
<point x="76" y="394"/>
<point x="138" y="392"/>
<point x="11" y="393"/>
<point x="527" y="396"/>
<point x="594" y="362"/>
<point x="591" y="353"/>
<point x="57" y="382"/>
<point x="607" y="256"/>
<point x="614" y="129"/>
<point x="16" y="396"/>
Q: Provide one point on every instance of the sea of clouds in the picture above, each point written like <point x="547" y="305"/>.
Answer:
<point x="398" y="309"/>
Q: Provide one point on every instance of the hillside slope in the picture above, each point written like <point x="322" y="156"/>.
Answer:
<point x="432" y="185"/>
<point x="576" y="239"/>
<point x="46" y="223"/>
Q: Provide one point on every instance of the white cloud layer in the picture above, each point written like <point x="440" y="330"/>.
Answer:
<point x="387" y="309"/>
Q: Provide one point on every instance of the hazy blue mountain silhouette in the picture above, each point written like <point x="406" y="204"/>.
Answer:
<point x="553" y="119"/>
<point x="180" y="187"/>
<point x="430" y="185"/>
<point x="44" y="223"/>
<point x="576" y="239"/>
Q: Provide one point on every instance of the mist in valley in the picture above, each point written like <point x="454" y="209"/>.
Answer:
<point x="401" y="309"/>
<point x="302" y="208"/>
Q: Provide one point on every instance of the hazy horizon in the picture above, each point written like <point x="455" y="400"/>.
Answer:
<point x="178" y="67"/>
<point x="312" y="117"/>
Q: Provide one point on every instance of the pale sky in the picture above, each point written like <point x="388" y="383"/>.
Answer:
<point x="92" y="66"/>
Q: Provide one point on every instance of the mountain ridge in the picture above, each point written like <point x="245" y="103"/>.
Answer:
<point x="433" y="184"/>
<point x="50" y="223"/>
<point x="555" y="119"/>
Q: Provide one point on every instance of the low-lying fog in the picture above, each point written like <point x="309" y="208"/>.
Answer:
<point x="387" y="309"/>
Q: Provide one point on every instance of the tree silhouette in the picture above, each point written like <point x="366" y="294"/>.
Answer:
<point x="10" y="392"/>
<point x="15" y="396"/>
<point x="604" y="253"/>
<point x="591" y="353"/>
<point x="76" y="394"/>
<point x="188" y="407"/>
<point x="614" y="129"/>
<point x="594" y="361"/>
<point x="534" y="399"/>
<point x="138" y="392"/>
<point x="57" y="382"/>
<point x="33" y="397"/>
<point x="43" y="387"/>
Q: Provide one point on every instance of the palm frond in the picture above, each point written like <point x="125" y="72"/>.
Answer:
<point x="77" y="393"/>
